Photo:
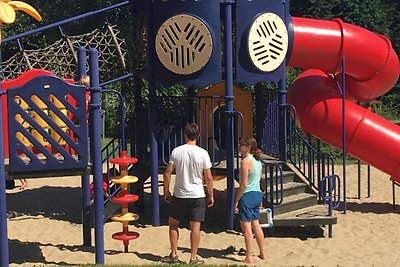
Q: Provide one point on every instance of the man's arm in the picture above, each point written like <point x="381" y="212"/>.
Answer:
<point x="210" y="187"/>
<point x="167" y="181"/>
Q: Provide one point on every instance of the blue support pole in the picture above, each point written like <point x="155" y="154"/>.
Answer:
<point x="359" y="178"/>
<point x="153" y="119"/>
<point x="369" y="180"/>
<point x="282" y="118"/>
<point x="344" y="148"/>
<point x="3" y="204"/>
<point x="282" y="108"/>
<point x="96" y="160"/>
<point x="85" y="183"/>
<point x="229" y="111"/>
<point x="138" y="118"/>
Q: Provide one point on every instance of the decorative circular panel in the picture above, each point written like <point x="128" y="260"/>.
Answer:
<point x="184" y="44"/>
<point x="268" y="42"/>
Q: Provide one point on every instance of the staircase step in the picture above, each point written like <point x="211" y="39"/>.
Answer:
<point x="313" y="215"/>
<point x="289" y="189"/>
<point x="287" y="177"/>
<point x="295" y="202"/>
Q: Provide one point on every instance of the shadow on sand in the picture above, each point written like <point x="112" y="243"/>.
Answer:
<point x="371" y="207"/>
<point x="59" y="203"/>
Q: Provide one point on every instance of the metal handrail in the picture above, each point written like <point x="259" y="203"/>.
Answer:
<point x="329" y="189"/>
<point x="274" y="172"/>
<point x="173" y="117"/>
<point x="313" y="164"/>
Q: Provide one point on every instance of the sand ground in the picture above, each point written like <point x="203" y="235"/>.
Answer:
<point x="44" y="228"/>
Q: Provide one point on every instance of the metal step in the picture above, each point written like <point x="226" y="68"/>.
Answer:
<point x="295" y="202"/>
<point x="313" y="215"/>
<point x="287" y="177"/>
<point x="290" y="189"/>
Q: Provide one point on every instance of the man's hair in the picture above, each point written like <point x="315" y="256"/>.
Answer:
<point x="192" y="131"/>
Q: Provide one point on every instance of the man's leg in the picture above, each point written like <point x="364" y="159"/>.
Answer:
<point x="173" y="235"/>
<point x="194" y="239"/>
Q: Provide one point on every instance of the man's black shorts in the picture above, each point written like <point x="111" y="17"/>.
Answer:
<point x="194" y="207"/>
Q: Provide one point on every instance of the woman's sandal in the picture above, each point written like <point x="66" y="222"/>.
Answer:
<point x="242" y="252"/>
<point x="230" y="250"/>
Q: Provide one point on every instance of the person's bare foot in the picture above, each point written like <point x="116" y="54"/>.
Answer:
<point x="247" y="261"/>
<point x="262" y="257"/>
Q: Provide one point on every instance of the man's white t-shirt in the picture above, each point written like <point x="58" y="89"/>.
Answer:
<point x="190" y="161"/>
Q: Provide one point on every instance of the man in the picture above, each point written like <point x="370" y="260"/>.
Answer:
<point x="191" y="163"/>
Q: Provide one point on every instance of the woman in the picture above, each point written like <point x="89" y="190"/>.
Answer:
<point x="248" y="197"/>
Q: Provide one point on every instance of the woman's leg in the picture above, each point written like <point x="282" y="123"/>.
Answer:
<point x="248" y="239"/>
<point x="258" y="232"/>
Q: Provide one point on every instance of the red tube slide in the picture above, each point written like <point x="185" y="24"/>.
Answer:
<point x="372" y="68"/>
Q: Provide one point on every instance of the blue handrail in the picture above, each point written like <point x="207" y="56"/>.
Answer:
<point x="62" y="22"/>
<point x="329" y="190"/>
<point x="304" y="156"/>
<point x="274" y="172"/>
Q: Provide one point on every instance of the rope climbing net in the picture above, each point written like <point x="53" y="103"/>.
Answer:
<point x="61" y="56"/>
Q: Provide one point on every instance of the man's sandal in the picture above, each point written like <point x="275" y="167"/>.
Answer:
<point x="171" y="259"/>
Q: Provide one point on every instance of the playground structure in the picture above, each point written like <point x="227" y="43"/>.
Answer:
<point x="336" y="63"/>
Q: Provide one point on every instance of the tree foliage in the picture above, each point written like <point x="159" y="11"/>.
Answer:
<point x="380" y="16"/>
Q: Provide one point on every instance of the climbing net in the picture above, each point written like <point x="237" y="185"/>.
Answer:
<point x="61" y="56"/>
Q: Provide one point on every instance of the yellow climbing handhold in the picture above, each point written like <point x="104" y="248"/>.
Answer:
<point x="127" y="217"/>
<point x="125" y="180"/>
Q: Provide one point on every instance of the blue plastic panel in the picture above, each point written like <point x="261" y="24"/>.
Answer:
<point x="55" y="111"/>
<point x="209" y="12"/>
<point x="246" y="12"/>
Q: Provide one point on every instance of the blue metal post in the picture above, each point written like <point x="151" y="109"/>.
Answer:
<point x="282" y="118"/>
<point x="344" y="148"/>
<point x="138" y="118"/>
<point x="282" y="108"/>
<point x="96" y="160"/>
<point x="152" y="118"/>
<point x="229" y="110"/>
<point x="330" y="192"/>
<point x="369" y="180"/>
<point x="359" y="178"/>
<point x="3" y="203"/>
<point x="86" y="209"/>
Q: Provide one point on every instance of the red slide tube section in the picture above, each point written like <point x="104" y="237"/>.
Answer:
<point x="372" y="68"/>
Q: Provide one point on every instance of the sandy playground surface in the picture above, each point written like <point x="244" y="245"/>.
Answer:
<point x="44" y="229"/>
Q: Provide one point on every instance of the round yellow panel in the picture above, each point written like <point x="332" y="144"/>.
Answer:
<point x="184" y="44"/>
<point x="268" y="42"/>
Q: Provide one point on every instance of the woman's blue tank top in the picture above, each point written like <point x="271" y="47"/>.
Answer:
<point x="253" y="183"/>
